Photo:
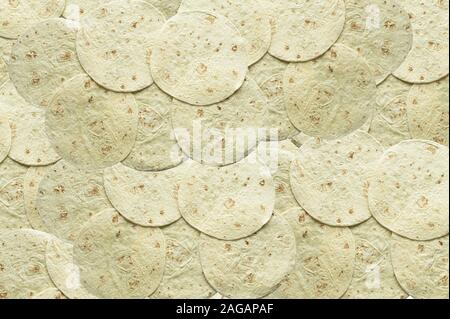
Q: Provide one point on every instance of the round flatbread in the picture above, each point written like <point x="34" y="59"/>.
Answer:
<point x="42" y="59"/>
<point x="408" y="190"/>
<point x="68" y="196"/>
<point x="228" y="202"/>
<point x="31" y="182"/>
<point x="50" y="293"/>
<point x="90" y="126"/>
<point x="5" y="137"/>
<point x="146" y="199"/>
<point x="373" y="276"/>
<point x="324" y="259"/>
<point x="118" y="259"/>
<point x="5" y="50"/>
<point x="115" y="42"/>
<point x="12" y="212"/>
<point x="305" y="32"/>
<point x="183" y="277"/>
<point x="427" y="106"/>
<point x="29" y="142"/>
<point x="156" y="147"/>
<point x="4" y="76"/>
<point x="62" y="270"/>
<point x="428" y="59"/>
<point x="168" y="7"/>
<point x="17" y="16"/>
<point x="199" y="58"/>
<point x="223" y="133"/>
<point x="334" y="174"/>
<point x="277" y="118"/>
<point x="380" y="31"/>
<point x="266" y="68"/>
<point x="23" y="273"/>
<point x="250" y="267"/>
<point x="421" y="267"/>
<point x="390" y="123"/>
<point x="331" y="96"/>
<point x="249" y="17"/>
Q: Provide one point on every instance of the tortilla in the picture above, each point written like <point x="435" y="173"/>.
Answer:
<point x="408" y="190"/>
<point x="22" y="259"/>
<point x="390" y="124"/>
<point x="168" y="7"/>
<point x="324" y="259"/>
<point x="5" y="137"/>
<point x="199" y="58"/>
<point x="118" y="259"/>
<point x="266" y="68"/>
<point x="3" y="71"/>
<point x="329" y="178"/>
<point x="228" y="202"/>
<point x="50" y="293"/>
<point x="12" y="212"/>
<point x="29" y="142"/>
<point x="183" y="277"/>
<point x="428" y="111"/>
<point x="31" y="182"/>
<point x="115" y="42"/>
<point x="62" y="270"/>
<point x="373" y="276"/>
<point x="155" y="148"/>
<point x="17" y="16"/>
<point x="68" y="196"/>
<point x="279" y="158"/>
<point x="331" y="96"/>
<point x="307" y="31"/>
<point x="300" y="139"/>
<point x="277" y="118"/>
<point x="249" y="17"/>
<point x="90" y="126"/>
<point x="250" y="267"/>
<point x="421" y="267"/>
<point x="428" y="59"/>
<point x="146" y="199"/>
<point x="5" y="49"/>
<point x="380" y="31"/>
<point x="223" y="133"/>
<point x="42" y="59"/>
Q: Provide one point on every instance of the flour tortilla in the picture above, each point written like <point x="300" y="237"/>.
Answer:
<point x="428" y="111"/>
<point x="277" y="118"/>
<point x="29" y="142"/>
<point x="300" y="139"/>
<point x="223" y="133"/>
<point x="42" y="59"/>
<point x="409" y="187"/>
<point x="266" y="68"/>
<point x="90" y="126"/>
<point x="324" y="259"/>
<point x="279" y="158"/>
<point x="249" y="17"/>
<point x="331" y="96"/>
<point x="183" y="276"/>
<point x="155" y="148"/>
<point x="118" y="259"/>
<point x="380" y="31"/>
<point x="421" y="267"/>
<point x="5" y="49"/>
<point x="62" y="270"/>
<point x="428" y="59"/>
<point x="228" y="202"/>
<point x="4" y="76"/>
<point x="390" y="123"/>
<point x="329" y="179"/>
<point x="22" y="260"/>
<point x="31" y="182"/>
<point x="68" y="196"/>
<point x="12" y="212"/>
<point x="17" y="16"/>
<point x="50" y="293"/>
<point x="199" y="58"/>
<point x="305" y="32"/>
<point x="251" y="267"/>
<point x="146" y="199"/>
<point x="168" y="7"/>
<point x="5" y="137"/>
<point x="373" y="276"/>
<point x="115" y="42"/>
